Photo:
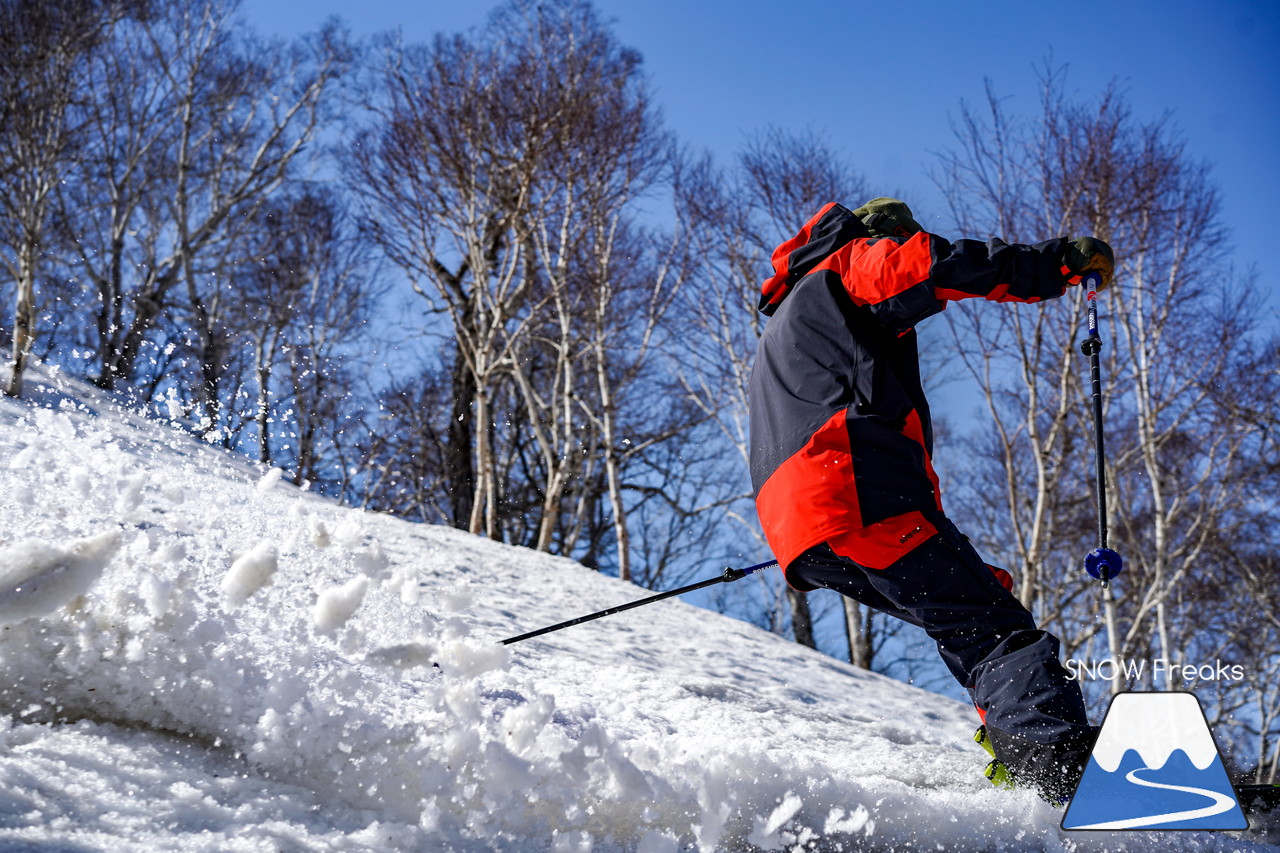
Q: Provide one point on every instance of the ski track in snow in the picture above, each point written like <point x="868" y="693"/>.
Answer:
<point x="210" y="659"/>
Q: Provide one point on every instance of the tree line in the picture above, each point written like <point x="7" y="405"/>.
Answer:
<point x="1189" y="361"/>
<point x="477" y="282"/>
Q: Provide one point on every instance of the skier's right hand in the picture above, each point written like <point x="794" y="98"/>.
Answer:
<point x="1085" y="255"/>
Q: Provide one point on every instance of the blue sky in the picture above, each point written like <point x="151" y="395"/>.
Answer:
<point x="881" y="81"/>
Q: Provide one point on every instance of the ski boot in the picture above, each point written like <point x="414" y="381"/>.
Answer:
<point x="1000" y="776"/>
<point x="995" y="771"/>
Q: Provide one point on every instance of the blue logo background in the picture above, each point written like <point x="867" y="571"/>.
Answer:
<point x="1146" y="790"/>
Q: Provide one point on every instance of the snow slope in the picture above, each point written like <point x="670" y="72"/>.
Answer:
<point x="199" y="657"/>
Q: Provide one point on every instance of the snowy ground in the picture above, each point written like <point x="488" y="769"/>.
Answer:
<point x="199" y="657"/>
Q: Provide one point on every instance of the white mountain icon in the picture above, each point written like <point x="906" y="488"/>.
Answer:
<point x="1155" y="724"/>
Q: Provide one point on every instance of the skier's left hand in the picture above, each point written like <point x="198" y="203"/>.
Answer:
<point x="1089" y="254"/>
<point x="888" y="217"/>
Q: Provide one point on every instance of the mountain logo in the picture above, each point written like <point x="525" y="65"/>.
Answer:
<point x="1155" y="766"/>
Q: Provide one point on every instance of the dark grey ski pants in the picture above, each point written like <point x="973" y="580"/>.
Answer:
<point x="1034" y="713"/>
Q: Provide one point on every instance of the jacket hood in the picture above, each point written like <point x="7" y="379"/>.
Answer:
<point x="832" y="227"/>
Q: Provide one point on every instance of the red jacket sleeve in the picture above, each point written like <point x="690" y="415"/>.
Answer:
<point x="999" y="271"/>
<point x="905" y="282"/>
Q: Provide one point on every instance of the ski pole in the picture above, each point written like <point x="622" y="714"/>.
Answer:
<point x="1102" y="563"/>
<point x="729" y="575"/>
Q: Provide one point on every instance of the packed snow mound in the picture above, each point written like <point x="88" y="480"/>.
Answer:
<point x="200" y="656"/>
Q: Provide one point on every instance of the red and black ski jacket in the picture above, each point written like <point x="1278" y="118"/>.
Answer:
<point x="840" y="431"/>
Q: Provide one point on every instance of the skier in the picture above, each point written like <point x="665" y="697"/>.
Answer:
<point x="840" y="461"/>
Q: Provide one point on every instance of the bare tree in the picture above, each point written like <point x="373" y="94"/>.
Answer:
<point x="129" y="124"/>
<point x="45" y="48"/>
<point x="193" y="124"/>
<point x="602" y="313"/>
<point x="303" y="305"/>
<point x="603" y="149"/>
<point x="443" y="175"/>
<point x="501" y="175"/>
<point x="1179" y="464"/>
<point x="404" y="452"/>
<point x="1236" y="597"/>
<point x="992" y="184"/>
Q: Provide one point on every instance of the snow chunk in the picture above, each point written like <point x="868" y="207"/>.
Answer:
<point x="403" y="656"/>
<point x="406" y="581"/>
<point x="130" y="496"/>
<point x="173" y="493"/>
<point x="170" y="553"/>
<point x="269" y="480"/>
<point x="349" y="533"/>
<point x="37" y="578"/>
<point x="457" y="597"/>
<point x="786" y="810"/>
<point x="250" y="573"/>
<point x="80" y="482"/>
<point x="173" y="406"/>
<point x="319" y="533"/>
<point x="373" y="561"/>
<point x="524" y="723"/>
<point x="156" y="594"/>
<point x="857" y="821"/>
<point x="335" y="606"/>
<point x="766" y="836"/>
<point x="468" y="659"/>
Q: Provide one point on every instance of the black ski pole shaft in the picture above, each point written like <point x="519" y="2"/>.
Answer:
<point x="729" y="575"/>
<point x="1093" y="348"/>
<point x="1103" y="563"/>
